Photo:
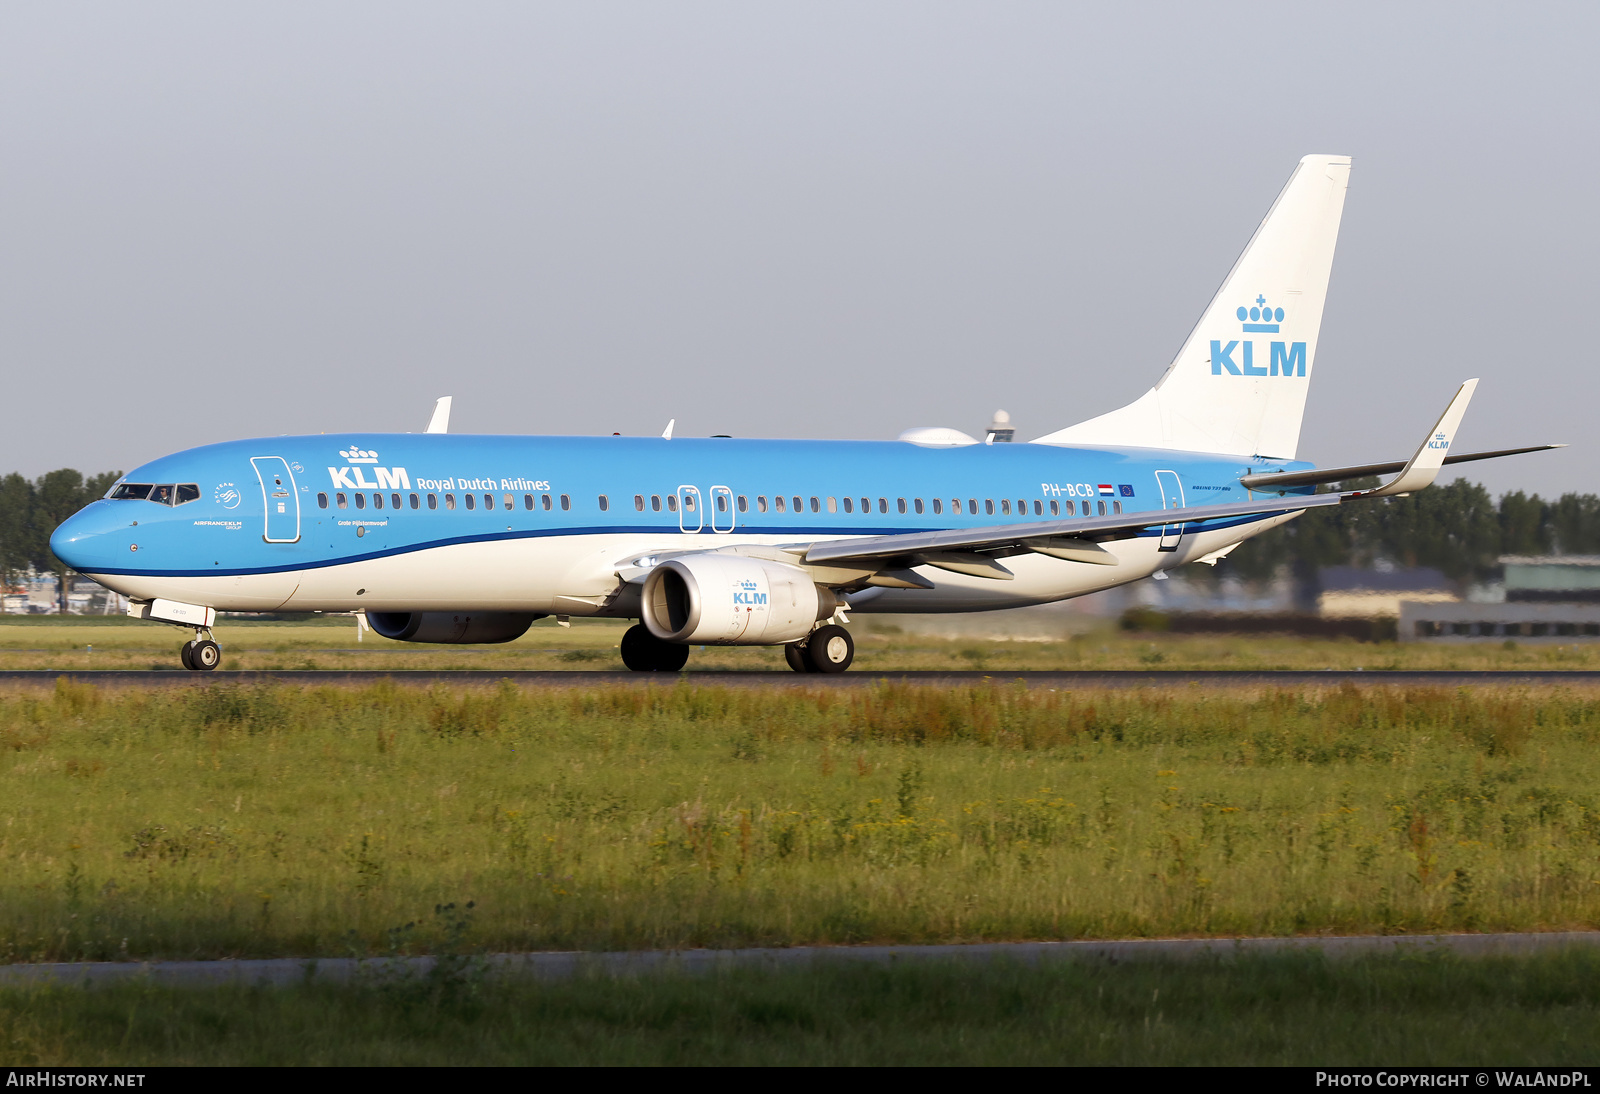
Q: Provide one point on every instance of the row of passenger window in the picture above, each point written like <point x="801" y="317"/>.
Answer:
<point x="529" y="501"/>
<point x="780" y="503"/>
<point x="793" y="503"/>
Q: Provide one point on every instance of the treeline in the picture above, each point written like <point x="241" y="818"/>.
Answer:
<point x="30" y="511"/>
<point x="1457" y="529"/>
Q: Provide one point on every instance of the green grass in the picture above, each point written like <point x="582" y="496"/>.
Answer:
<point x="288" y="821"/>
<point x="1285" y="1010"/>
<point x="89" y="642"/>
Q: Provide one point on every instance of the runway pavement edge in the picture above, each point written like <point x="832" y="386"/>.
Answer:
<point x="1129" y="678"/>
<point x="563" y="965"/>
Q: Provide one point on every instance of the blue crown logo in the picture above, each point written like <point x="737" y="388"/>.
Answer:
<point x="1260" y="319"/>
<point x="746" y="583"/>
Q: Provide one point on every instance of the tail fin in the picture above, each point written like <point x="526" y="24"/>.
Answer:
<point x="1238" y="385"/>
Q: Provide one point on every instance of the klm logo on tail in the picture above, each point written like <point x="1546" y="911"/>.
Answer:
<point x="1238" y="357"/>
<point x="1262" y="319"/>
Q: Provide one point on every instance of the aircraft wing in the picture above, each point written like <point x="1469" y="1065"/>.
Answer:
<point x="1076" y="539"/>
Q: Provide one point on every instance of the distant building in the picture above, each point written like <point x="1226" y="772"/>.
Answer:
<point x="1548" y="599"/>
<point x="1463" y="622"/>
<point x="1560" y="579"/>
<point x="1352" y="593"/>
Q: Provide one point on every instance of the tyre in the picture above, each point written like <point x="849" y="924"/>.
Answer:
<point x="205" y="655"/>
<point x="795" y="654"/>
<point x="644" y="652"/>
<point x="183" y="655"/>
<point x="830" y="649"/>
<point x="636" y="649"/>
<point x="671" y="656"/>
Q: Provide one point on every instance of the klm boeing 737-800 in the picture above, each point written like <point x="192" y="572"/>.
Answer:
<point x="439" y="537"/>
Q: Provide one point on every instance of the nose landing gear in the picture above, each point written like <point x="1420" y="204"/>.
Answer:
<point x="202" y="654"/>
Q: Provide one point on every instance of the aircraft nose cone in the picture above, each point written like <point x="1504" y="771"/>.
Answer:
<point x="83" y="540"/>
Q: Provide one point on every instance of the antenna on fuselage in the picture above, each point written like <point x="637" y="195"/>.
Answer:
<point x="440" y="422"/>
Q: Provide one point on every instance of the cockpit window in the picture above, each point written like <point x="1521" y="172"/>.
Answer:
<point x="163" y="494"/>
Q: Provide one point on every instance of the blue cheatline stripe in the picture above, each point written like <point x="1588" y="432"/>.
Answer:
<point x="488" y="537"/>
<point x="1155" y="530"/>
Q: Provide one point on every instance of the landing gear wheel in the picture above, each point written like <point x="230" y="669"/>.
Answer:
<point x="204" y="655"/>
<point x="830" y="649"/>
<point x="795" y="654"/>
<point x="183" y="655"/>
<point x="644" y="652"/>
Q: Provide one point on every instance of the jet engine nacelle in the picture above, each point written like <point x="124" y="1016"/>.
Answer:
<point x="451" y="626"/>
<point x="728" y="600"/>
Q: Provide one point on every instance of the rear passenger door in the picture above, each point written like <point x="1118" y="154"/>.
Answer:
<point x="1171" y="498"/>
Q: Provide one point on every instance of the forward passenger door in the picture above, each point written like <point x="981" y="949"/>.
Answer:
<point x="280" y="497"/>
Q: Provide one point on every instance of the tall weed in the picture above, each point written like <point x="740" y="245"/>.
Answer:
<point x="289" y="820"/>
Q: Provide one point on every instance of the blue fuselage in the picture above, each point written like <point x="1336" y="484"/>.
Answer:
<point x="291" y="506"/>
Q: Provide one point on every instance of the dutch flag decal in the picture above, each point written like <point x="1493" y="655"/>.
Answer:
<point x="1107" y="490"/>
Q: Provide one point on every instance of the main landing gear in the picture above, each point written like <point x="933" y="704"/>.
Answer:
<point x="201" y="654"/>
<point x="826" y="649"/>
<point x="644" y="652"/>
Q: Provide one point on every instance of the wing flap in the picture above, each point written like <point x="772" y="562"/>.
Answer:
<point x="1073" y="549"/>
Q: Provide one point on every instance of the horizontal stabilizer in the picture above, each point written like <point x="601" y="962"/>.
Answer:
<point x="1320" y="475"/>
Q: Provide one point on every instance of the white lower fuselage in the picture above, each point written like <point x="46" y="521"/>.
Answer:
<point x="578" y="575"/>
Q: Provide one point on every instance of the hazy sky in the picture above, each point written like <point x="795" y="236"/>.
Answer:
<point x="813" y="220"/>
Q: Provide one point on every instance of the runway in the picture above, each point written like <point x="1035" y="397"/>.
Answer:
<point x="1131" y="678"/>
<point x="563" y="965"/>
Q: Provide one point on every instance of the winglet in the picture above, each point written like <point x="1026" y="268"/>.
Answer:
<point x="666" y="434"/>
<point x="440" y="422"/>
<point x="1424" y="467"/>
